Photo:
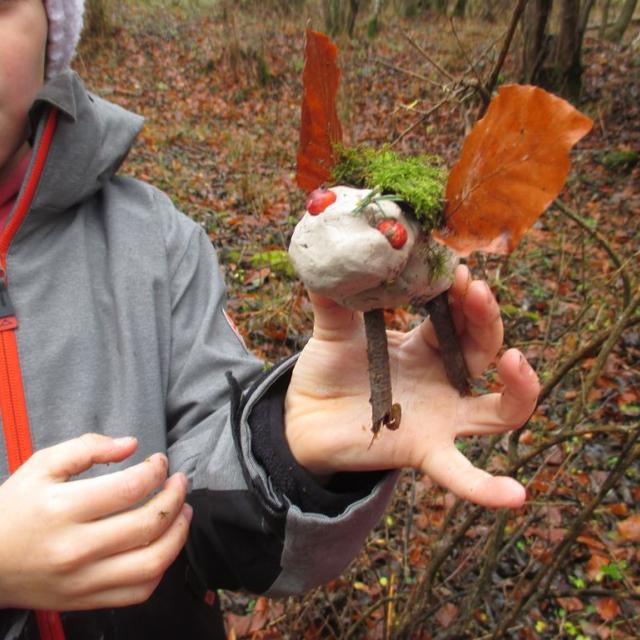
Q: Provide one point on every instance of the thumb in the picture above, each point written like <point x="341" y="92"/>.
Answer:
<point x="72" y="457"/>
<point x="332" y="321"/>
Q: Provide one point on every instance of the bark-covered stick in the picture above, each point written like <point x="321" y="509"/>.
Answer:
<point x="384" y="412"/>
<point x="452" y="356"/>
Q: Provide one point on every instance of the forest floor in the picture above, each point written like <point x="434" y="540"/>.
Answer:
<point x="221" y="95"/>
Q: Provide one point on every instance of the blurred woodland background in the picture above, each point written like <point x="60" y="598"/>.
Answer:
<point x="219" y="83"/>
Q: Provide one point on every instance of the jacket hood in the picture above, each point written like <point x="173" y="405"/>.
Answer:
<point x="92" y="139"/>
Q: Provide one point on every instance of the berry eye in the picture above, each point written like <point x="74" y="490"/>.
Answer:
<point x="319" y="200"/>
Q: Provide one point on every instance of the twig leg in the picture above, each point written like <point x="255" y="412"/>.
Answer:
<point x="452" y="356"/>
<point x="383" y="411"/>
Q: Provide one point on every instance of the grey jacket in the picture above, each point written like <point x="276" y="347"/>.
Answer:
<point x="120" y="305"/>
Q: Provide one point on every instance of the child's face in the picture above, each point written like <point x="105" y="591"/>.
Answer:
<point x="23" y="45"/>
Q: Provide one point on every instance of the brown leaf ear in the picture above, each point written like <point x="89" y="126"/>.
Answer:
<point x="319" y="128"/>
<point x="513" y="165"/>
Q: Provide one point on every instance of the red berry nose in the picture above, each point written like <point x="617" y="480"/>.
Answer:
<point x="394" y="232"/>
<point x="319" y="200"/>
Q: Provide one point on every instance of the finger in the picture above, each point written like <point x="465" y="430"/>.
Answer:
<point x="451" y="470"/>
<point x="510" y="409"/>
<point x="110" y="598"/>
<point x="143" y="565"/>
<point x="138" y="527"/>
<point x="72" y="457"/>
<point x="94" y="498"/>
<point x="332" y="321"/>
<point x="483" y="331"/>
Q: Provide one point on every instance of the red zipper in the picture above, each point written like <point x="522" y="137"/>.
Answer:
<point x="13" y="405"/>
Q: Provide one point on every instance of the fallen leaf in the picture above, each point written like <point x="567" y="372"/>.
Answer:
<point x="629" y="529"/>
<point x="513" y="165"/>
<point x="619" y="508"/>
<point x="591" y="542"/>
<point x="447" y="614"/>
<point x="594" y="566"/>
<point x="607" y="608"/>
<point x="527" y="437"/>
<point x="570" y="604"/>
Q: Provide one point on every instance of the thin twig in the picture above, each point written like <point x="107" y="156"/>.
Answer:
<point x="563" y="437"/>
<point x="605" y="350"/>
<point x="407" y="72"/>
<point x="365" y="614"/>
<point x="490" y="559"/>
<point x="595" y="593"/>
<point x="495" y="73"/>
<point x="409" y="620"/>
<point x="604" y="243"/>
<point x="426" y="56"/>
<point x="579" y="355"/>
<point x="411" y="127"/>
<point x="546" y="573"/>
<point x="407" y="527"/>
<point x="553" y="306"/>
<point x="472" y="66"/>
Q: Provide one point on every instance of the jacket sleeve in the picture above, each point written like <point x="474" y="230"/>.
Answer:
<point x="260" y="521"/>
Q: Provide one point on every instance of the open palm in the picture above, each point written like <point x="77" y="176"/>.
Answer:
<point x="328" y="416"/>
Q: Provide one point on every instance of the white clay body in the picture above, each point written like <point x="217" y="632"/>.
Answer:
<point x="341" y="255"/>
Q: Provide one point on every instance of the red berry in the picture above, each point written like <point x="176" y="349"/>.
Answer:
<point x="319" y="200"/>
<point x="394" y="232"/>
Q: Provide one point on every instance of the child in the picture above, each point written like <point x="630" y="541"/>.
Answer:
<point x="115" y="348"/>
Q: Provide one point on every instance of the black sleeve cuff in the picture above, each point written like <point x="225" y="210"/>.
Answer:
<point x="271" y="450"/>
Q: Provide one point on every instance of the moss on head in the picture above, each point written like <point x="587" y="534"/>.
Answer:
<point x="419" y="181"/>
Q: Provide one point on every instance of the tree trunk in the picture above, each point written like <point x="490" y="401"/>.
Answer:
<point x="535" y="45"/>
<point x="617" y="31"/>
<point x="604" y="18"/>
<point x="585" y="12"/>
<point x="97" y="21"/>
<point x="331" y="10"/>
<point x="488" y="11"/>
<point x="554" y="61"/>
<point x="340" y="16"/>
<point x="459" y="9"/>
<point x="567" y="68"/>
<point x="440" y="6"/>
<point x="352" y="14"/>
<point x="373" y="27"/>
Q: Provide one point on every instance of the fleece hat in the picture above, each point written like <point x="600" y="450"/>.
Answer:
<point x="65" y="25"/>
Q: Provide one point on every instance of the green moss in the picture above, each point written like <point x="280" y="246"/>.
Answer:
<point x="278" y="261"/>
<point x="419" y="180"/>
<point x="619" y="160"/>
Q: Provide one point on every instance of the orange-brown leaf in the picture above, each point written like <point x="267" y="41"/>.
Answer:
<point x="571" y="603"/>
<point x="594" y="566"/>
<point x="319" y="128"/>
<point x="607" y="608"/>
<point x="629" y="529"/>
<point x="447" y="614"/>
<point x="513" y="164"/>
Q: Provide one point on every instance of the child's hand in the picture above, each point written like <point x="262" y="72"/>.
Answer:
<point x="328" y="415"/>
<point x="81" y="544"/>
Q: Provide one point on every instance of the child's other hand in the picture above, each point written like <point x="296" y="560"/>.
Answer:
<point x="328" y="415"/>
<point x="88" y="544"/>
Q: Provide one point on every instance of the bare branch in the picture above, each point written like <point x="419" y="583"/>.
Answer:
<point x="495" y="73"/>
<point x="606" y="245"/>
<point x="407" y="72"/>
<point x="426" y="56"/>
<point x="629" y="453"/>
<point x="605" y="351"/>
